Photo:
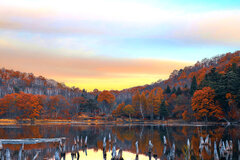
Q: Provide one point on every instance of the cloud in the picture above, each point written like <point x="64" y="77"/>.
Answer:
<point x="95" y="69"/>
<point x="213" y="27"/>
<point x="122" y="19"/>
<point x="76" y="39"/>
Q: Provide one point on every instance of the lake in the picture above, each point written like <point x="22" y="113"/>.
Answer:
<point x="123" y="137"/>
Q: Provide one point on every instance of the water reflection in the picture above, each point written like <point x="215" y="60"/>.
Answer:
<point x="122" y="142"/>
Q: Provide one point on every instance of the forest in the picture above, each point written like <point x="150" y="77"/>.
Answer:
<point x="207" y="91"/>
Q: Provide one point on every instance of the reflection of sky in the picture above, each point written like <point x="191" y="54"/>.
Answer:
<point x="126" y="137"/>
<point x="98" y="155"/>
<point x="179" y="30"/>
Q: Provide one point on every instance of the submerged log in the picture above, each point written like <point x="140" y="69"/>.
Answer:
<point x="31" y="140"/>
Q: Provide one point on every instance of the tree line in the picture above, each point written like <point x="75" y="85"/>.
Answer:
<point x="216" y="97"/>
<point x="208" y="91"/>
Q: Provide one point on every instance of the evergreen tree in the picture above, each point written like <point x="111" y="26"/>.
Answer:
<point x="173" y="90"/>
<point x="179" y="91"/>
<point x="91" y="105"/>
<point x="194" y="86"/>
<point x="163" y="110"/>
<point x="167" y="90"/>
<point x="223" y="84"/>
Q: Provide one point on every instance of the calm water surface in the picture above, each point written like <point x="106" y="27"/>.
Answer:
<point x="125" y="137"/>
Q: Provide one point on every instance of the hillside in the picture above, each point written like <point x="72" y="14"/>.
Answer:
<point x="171" y="98"/>
<point x="16" y="81"/>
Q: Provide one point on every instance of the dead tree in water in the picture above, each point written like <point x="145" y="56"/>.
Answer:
<point x="36" y="155"/>
<point x="104" y="148"/>
<point x="109" y="140"/>
<point x="164" y="140"/>
<point x="1" y="151"/>
<point x="216" y="157"/>
<point x="62" y="148"/>
<point x="119" y="156"/>
<point x="150" y="147"/>
<point x="137" y="151"/>
<point x="114" y="152"/>
<point x="155" y="154"/>
<point x="20" y="153"/>
<point x="74" y="152"/>
<point x="57" y="154"/>
<point x="81" y="142"/>
<point x="85" y="145"/>
<point x="8" y="155"/>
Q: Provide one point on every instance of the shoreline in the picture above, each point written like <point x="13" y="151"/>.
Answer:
<point x="8" y="122"/>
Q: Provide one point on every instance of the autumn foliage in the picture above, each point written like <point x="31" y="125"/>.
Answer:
<point x="204" y="105"/>
<point x="107" y="99"/>
<point x="208" y="90"/>
<point x="21" y="105"/>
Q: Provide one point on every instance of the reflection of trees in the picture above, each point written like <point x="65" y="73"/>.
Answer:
<point x="126" y="137"/>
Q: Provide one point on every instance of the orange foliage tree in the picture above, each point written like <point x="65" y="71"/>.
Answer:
<point x="157" y="100"/>
<point x="7" y="105"/>
<point x="119" y="110"/>
<point x="107" y="99"/>
<point x="204" y="105"/>
<point x="150" y="104"/>
<point x="58" y="107"/>
<point x="21" y="106"/>
<point x="136" y="103"/>
<point x="28" y="105"/>
<point x="144" y="103"/>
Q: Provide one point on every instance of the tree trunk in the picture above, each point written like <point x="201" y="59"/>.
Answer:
<point x="141" y="110"/>
<point x="152" y="113"/>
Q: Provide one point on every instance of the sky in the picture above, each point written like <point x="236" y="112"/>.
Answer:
<point x="114" y="44"/>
